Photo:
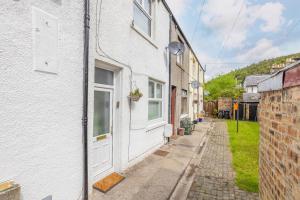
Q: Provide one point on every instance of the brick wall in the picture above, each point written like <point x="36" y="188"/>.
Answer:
<point x="279" y="162"/>
<point x="224" y="103"/>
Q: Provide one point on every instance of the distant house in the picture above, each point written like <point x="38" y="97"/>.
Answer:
<point x="251" y="87"/>
<point x="248" y="106"/>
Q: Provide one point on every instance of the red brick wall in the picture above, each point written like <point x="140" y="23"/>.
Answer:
<point x="279" y="162"/>
<point x="224" y="103"/>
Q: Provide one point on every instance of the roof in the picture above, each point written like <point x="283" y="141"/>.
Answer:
<point x="275" y="81"/>
<point x="182" y="33"/>
<point x="253" y="80"/>
<point x="251" y="97"/>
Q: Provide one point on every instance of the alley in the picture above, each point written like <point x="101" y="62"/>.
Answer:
<point x="215" y="176"/>
<point x="156" y="177"/>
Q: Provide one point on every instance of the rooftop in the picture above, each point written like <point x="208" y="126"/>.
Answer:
<point x="253" y="80"/>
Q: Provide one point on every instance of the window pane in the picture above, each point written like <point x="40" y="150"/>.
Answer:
<point x="158" y="91"/>
<point x="151" y="89"/>
<point x="141" y="20"/>
<point x="147" y="6"/>
<point x="103" y="76"/>
<point x="101" y="113"/>
<point x="154" y="110"/>
<point x="184" y="105"/>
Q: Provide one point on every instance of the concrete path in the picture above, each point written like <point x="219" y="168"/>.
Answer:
<point x="214" y="176"/>
<point x="156" y="177"/>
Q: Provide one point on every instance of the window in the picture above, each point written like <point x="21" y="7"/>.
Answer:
<point x="103" y="76"/>
<point x="155" y="94"/>
<point x="184" y="102"/>
<point x="254" y="89"/>
<point x="179" y="58"/>
<point x="142" y="15"/>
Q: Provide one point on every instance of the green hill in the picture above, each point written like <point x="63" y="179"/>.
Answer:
<point x="226" y="85"/>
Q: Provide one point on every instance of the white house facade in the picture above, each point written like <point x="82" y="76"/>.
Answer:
<point x="64" y="128"/>
<point x="41" y="56"/>
<point x="128" y="52"/>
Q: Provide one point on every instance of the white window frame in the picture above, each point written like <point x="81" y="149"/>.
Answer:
<point x="179" y="58"/>
<point x="184" y="94"/>
<point x="141" y="6"/>
<point x="156" y="99"/>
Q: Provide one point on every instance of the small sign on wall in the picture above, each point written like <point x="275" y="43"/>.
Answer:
<point x="45" y="41"/>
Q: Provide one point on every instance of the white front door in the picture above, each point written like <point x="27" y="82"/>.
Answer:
<point x="102" y="146"/>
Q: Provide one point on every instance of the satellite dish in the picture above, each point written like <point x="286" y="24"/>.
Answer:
<point x="195" y="84"/>
<point x="176" y="48"/>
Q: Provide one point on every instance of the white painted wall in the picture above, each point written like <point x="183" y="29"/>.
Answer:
<point x="148" y="59"/>
<point x="41" y="132"/>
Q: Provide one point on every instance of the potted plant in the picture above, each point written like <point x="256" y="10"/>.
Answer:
<point x="135" y="95"/>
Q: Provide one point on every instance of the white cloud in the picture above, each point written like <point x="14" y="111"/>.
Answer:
<point x="263" y="49"/>
<point x="221" y="16"/>
<point x="271" y="14"/>
<point x="178" y="7"/>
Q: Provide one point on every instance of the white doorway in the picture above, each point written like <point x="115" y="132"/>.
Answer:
<point x="102" y="143"/>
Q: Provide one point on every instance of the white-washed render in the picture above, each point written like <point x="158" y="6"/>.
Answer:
<point x="41" y="64"/>
<point x="196" y="83"/>
<point x="128" y="52"/>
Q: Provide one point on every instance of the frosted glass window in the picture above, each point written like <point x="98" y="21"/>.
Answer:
<point x="103" y="76"/>
<point x="102" y="108"/>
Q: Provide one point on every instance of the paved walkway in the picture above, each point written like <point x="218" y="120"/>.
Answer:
<point x="214" y="177"/>
<point x="156" y="177"/>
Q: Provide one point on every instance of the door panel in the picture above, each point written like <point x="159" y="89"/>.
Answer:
<point x="102" y="134"/>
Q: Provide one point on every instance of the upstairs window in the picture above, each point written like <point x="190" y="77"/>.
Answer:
<point x="179" y="58"/>
<point x="142" y="15"/>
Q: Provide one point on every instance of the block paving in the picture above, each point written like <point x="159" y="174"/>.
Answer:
<point x="215" y="176"/>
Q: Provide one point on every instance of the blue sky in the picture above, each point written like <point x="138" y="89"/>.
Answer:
<point x="229" y="34"/>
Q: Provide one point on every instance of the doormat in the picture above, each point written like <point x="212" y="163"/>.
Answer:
<point x="161" y="153"/>
<point x="107" y="183"/>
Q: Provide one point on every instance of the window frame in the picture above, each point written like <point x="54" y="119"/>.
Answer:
<point x="156" y="99"/>
<point x="179" y="58"/>
<point x="148" y="15"/>
<point x="184" y="95"/>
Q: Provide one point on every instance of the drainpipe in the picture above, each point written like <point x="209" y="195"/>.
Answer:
<point x="85" y="97"/>
<point x="170" y="87"/>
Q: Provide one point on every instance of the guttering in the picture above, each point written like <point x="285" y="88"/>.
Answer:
<point x="85" y="97"/>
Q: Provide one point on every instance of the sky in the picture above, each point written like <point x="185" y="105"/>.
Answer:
<point x="230" y="34"/>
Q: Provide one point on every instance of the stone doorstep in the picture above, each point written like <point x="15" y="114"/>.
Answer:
<point x="156" y="177"/>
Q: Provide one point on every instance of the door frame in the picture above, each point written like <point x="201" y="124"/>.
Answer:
<point x="116" y="113"/>
<point x="173" y="108"/>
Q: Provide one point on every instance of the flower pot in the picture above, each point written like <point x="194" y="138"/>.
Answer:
<point x="134" y="98"/>
<point x="180" y="131"/>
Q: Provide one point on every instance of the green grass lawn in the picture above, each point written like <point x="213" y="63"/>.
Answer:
<point x="244" y="148"/>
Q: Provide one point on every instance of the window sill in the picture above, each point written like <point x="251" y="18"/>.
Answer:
<point x="155" y="125"/>
<point x="183" y="116"/>
<point x="179" y="64"/>
<point x="144" y="35"/>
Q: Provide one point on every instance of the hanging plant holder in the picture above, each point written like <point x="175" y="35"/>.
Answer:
<point x="135" y="95"/>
